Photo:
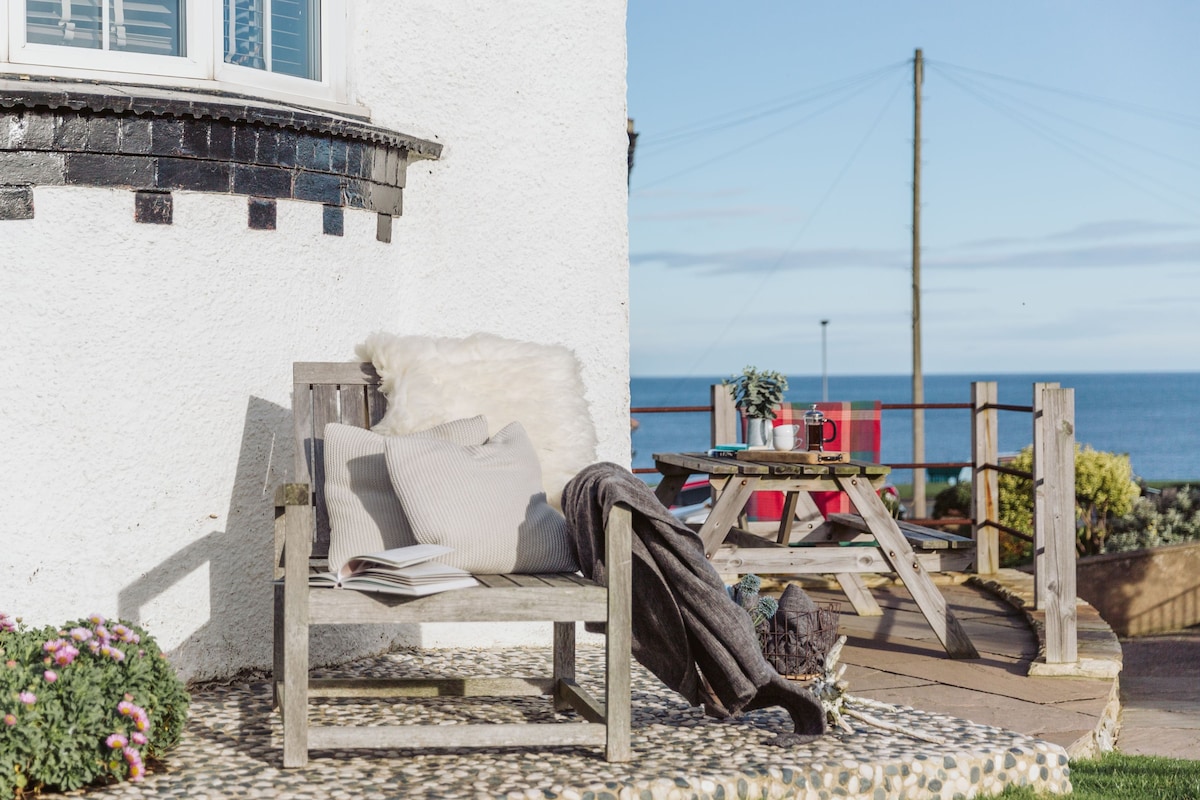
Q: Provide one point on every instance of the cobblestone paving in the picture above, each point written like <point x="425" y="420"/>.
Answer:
<point x="232" y="749"/>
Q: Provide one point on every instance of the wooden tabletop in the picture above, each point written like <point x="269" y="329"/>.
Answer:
<point x="690" y="463"/>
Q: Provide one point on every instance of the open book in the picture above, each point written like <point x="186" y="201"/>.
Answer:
<point x="402" y="570"/>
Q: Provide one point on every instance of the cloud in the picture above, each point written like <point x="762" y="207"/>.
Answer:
<point x="717" y="212"/>
<point x="1124" y="255"/>
<point x="1148" y="254"/>
<point x="1106" y="229"/>
<point x="770" y="259"/>
<point x="1111" y="229"/>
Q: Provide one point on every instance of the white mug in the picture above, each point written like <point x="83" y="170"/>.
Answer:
<point x="783" y="437"/>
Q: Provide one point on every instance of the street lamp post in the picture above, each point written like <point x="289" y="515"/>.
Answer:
<point x="824" y="372"/>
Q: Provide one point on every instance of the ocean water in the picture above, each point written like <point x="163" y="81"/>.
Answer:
<point x="1154" y="417"/>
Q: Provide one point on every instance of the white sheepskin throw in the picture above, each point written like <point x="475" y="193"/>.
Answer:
<point x="431" y="380"/>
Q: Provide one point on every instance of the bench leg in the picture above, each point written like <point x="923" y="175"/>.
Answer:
<point x="277" y="648"/>
<point x="564" y="661"/>
<point x="618" y="636"/>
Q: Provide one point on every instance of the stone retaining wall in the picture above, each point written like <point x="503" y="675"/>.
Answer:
<point x="1144" y="591"/>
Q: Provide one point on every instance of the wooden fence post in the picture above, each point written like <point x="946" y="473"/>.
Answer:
<point x="985" y="483"/>
<point x="1040" y="434"/>
<point x="1058" y="408"/>
<point x="724" y="416"/>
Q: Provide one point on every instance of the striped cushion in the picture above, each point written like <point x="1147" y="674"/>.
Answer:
<point x="486" y="501"/>
<point x="365" y="515"/>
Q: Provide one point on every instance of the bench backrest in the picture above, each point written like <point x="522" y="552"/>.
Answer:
<point x="324" y="392"/>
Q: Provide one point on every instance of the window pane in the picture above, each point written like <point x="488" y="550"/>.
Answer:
<point x="147" y="27"/>
<point x="295" y="38"/>
<point x="63" y="22"/>
<point x="292" y="46"/>
<point x="244" y="33"/>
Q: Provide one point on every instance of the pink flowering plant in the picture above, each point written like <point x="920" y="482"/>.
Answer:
<point x="88" y="703"/>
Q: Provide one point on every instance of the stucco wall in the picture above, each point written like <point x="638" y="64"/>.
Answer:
<point x="145" y="384"/>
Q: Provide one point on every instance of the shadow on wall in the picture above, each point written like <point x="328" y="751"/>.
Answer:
<point x="1144" y="591"/>
<point x="237" y="635"/>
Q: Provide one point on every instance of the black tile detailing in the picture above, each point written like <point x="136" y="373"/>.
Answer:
<point x="386" y="199"/>
<point x="104" y="135"/>
<point x="135" y="135"/>
<point x="267" y="151"/>
<point x="262" y="181"/>
<point x="100" y="169"/>
<point x="285" y="148"/>
<point x="383" y="228"/>
<point x="71" y="133"/>
<point x="155" y="208"/>
<point x="193" y="141"/>
<point x="82" y="134"/>
<point x="31" y="167"/>
<point x="262" y="214"/>
<point x="313" y="153"/>
<point x="16" y="202"/>
<point x="333" y="220"/>
<point x="220" y="141"/>
<point x="245" y="144"/>
<point x="151" y="101"/>
<point x="37" y="131"/>
<point x="166" y="137"/>
<point x="339" y="163"/>
<point x="193" y="174"/>
<point x="318" y="188"/>
<point x="356" y="193"/>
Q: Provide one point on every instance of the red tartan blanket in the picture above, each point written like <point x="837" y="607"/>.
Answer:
<point x="858" y="433"/>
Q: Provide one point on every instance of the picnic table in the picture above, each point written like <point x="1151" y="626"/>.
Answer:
<point x="878" y="543"/>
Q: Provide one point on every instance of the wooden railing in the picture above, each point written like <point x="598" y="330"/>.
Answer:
<point x="1052" y="479"/>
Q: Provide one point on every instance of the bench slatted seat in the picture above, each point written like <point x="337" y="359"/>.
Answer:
<point x="349" y="393"/>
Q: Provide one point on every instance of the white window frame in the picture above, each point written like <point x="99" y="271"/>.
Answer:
<point x="203" y="66"/>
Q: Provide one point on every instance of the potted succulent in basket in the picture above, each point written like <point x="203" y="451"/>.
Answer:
<point x="757" y="393"/>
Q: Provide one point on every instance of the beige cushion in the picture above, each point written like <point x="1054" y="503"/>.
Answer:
<point x="486" y="501"/>
<point x="365" y="515"/>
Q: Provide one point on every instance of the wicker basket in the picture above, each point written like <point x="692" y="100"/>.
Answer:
<point x="796" y="644"/>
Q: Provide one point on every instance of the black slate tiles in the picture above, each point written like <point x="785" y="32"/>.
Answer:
<point x="167" y="141"/>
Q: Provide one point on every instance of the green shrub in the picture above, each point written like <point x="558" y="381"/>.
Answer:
<point x="1104" y="491"/>
<point x="1170" y="517"/>
<point x="86" y="703"/>
<point x="953" y="501"/>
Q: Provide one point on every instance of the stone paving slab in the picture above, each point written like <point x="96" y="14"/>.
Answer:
<point x="231" y="748"/>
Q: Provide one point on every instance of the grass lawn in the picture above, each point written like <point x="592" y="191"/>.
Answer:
<point x="1122" y="777"/>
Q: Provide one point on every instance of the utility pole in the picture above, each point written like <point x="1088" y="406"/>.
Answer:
<point x="824" y="371"/>
<point x="918" y="381"/>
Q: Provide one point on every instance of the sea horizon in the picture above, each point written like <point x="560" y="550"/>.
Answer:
<point x="1152" y="416"/>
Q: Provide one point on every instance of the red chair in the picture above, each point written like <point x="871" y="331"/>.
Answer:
<point x="858" y="434"/>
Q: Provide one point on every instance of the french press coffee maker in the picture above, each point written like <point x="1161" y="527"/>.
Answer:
<point x="814" y="429"/>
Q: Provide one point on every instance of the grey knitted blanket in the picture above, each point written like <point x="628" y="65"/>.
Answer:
<point x="686" y="629"/>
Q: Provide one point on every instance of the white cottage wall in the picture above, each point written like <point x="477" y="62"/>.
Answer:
<point x="145" y="387"/>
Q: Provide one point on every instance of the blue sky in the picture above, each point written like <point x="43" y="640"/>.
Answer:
<point x="772" y="186"/>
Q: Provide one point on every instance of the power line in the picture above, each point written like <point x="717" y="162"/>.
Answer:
<point x="1074" y="147"/>
<point x="744" y="146"/>
<point x="1136" y="108"/>
<point x="768" y="108"/>
<point x="770" y="273"/>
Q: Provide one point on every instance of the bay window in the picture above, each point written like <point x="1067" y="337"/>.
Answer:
<point x="286" y="48"/>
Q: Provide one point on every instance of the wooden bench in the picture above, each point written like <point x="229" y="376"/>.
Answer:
<point x="349" y="393"/>
<point x="940" y="551"/>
